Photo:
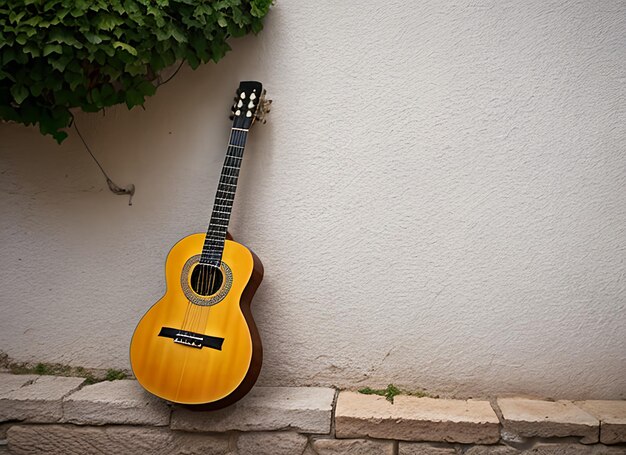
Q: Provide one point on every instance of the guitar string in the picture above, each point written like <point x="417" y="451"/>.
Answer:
<point x="238" y="139"/>
<point x="199" y="287"/>
<point x="235" y="139"/>
<point x="194" y="317"/>
<point x="207" y="278"/>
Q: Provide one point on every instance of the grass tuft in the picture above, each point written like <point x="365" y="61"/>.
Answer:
<point x="392" y="391"/>
<point x="115" y="375"/>
<point x="56" y="369"/>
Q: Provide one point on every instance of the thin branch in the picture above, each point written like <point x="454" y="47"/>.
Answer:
<point x="115" y="189"/>
<point x="172" y="76"/>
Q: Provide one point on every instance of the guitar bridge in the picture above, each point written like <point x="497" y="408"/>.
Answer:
<point x="188" y="340"/>
<point x="192" y="339"/>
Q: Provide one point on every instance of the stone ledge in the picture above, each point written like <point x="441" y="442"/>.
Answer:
<point x="266" y="412"/>
<point x="612" y="416"/>
<point x="548" y="419"/>
<point x="416" y="419"/>
<point x="38" y="401"/>
<point x="73" y="440"/>
<point x="116" y="402"/>
<point x="303" y="409"/>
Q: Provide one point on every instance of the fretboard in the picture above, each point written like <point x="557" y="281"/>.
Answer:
<point x="223" y="205"/>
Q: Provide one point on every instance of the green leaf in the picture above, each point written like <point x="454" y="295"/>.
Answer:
<point x="36" y="88"/>
<point x="146" y="88"/>
<point x="178" y="35"/>
<point x="133" y="98"/>
<point x="19" y="93"/>
<point x="15" y="17"/>
<point x="221" y="21"/>
<point x="32" y="49"/>
<point x="8" y="55"/>
<point x="59" y="136"/>
<point x="93" y="38"/>
<point x="126" y="47"/>
<point x="60" y="63"/>
<point x="50" y="48"/>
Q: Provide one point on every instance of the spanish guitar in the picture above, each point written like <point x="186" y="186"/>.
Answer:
<point x="198" y="345"/>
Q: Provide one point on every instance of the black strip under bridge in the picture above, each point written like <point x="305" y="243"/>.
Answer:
<point x="195" y="340"/>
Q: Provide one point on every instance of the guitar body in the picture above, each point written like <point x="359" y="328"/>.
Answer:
<point x="201" y="350"/>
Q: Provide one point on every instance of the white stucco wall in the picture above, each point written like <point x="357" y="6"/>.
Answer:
<point x="438" y="199"/>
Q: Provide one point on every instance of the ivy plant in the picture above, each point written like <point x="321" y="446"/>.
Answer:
<point x="56" y="55"/>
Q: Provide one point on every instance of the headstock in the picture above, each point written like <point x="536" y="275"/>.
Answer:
<point x="250" y="105"/>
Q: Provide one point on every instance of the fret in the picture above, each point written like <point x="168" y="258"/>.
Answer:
<point x="229" y="184"/>
<point x="218" y="227"/>
<point x="210" y="237"/>
<point x="236" y="146"/>
<point x="220" y="211"/>
<point x="216" y="241"/>
<point x="239" y="129"/>
<point x="226" y="191"/>
<point x="232" y="167"/>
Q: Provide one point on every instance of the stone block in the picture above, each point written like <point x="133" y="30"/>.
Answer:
<point x="271" y="443"/>
<point x="4" y="427"/>
<point x="492" y="450"/>
<point x="424" y="448"/>
<point x="548" y="419"/>
<point x="415" y="419"/>
<point x="73" y="440"/>
<point x="11" y="382"/>
<point x="303" y="409"/>
<point x="39" y="401"/>
<point x="612" y="417"/>
<point x="573" y="449"/>
<point x="115" y="402"/>
<point x="352" y="447"/>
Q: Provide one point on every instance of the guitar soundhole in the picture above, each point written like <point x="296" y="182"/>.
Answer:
<point x="206" y="279"/>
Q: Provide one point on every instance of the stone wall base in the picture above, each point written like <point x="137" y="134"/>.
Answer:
<point x="58" y="415"/>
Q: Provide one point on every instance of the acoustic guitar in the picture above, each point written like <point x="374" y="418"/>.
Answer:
<point x="199" y="345"/>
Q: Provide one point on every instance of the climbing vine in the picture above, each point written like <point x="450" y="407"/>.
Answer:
<point x="56" y="55"/>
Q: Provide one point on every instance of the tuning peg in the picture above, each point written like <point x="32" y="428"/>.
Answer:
<point x="231" y="116"/>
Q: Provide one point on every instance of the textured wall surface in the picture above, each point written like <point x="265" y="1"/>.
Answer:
<point x="439" y="201"/>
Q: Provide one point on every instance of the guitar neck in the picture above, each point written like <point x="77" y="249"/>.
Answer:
<point x="224" y="197"/>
